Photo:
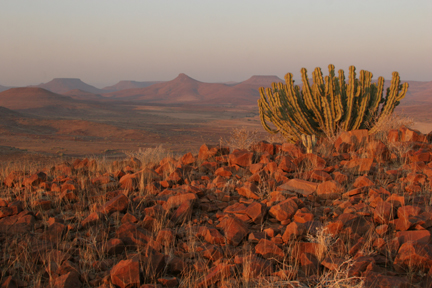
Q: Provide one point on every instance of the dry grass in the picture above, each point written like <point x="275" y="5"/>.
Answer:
<point x="240" y="138"/>
<point x="88" y="246"/>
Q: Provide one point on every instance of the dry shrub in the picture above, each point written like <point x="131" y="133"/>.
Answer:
<point x="240" y="138"/>
<point x="149" y="155"/>
<point x="394" y="121"/>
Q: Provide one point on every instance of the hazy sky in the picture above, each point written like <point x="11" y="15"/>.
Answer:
<point x="104" y="41"/>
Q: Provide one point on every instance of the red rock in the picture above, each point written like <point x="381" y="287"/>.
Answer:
<point x="268" y="249"/>
<point x="359" y="165"/>
<point x="35" y="179"/>
<point x="378" y="280"/>
<point x="286" y="164"/>
<point x="256" y="211"/>
<point x="255" y="267"/>
<point x="254" y="237"/>
<point x="284" y="210"/>
<point x="132" y="234"/>
<point x="104" y="179"/>
<point x="234" y="229"/>
<point x="396" y="200"/>
<point x="413" y="256"/>
<point x="320" y="176"/>
<point x="329" y="190"/>
<point x="64" y="169"/>
<point x="334" y="228"/>
<point x="393" y="136"/>
<point x="177" y="200"/>
<point x="378" y="150"/>
<point x="177" y="265"/>
<point x="187" y="159"/>
<point x="309" y="264"/>
<point x="209" y="151"/>
<point x="303" y="217"/>
<point x="408" y="211"/>
<point x="42" y="204"/>
<point x="293" y="231"/>
<point x="118" y="203"/>
<point x="54" y="233"/>
<point x="411" y="135"/>
<point x="217" y="273"/>
<point x="13" y="179"/>
<point x="183" y="212"/>
<point x="292" y="150"/>
<point x="359" y="266"/>
<point x="363" y="181"/>
<point x="213" y="236"/>
<point x="6" y="211"/>
<point x="166" y="237"/>
<point x="153" y="264"/>
<point x="264" y="146"/>
<point x="126" y="273"/>
<point x="69" y="185"/>
<point x="382" y="229"/>
<point x="224" y="171"/>
<point x="66" y="267"/>
<point x="310" y="161"/>
<point x="114" y="246"/>
<point x="68" y="195"/>
<point x="355" y="223"/>
<point x="129" y="182"/>
<point x="352" y="139"/>
<point x="340" y="177"/>
<point x="383" y="213"/>
<point x="168" y="281"/>
<point x="419" y="156"/>
<point x="249" y="190"/>
<point x="92" y="219"/>
<point x="17" y="224"/>
<point x="212" y="252"/>
<point x="241" y="158"/>
<point x="300" y="186"/>
<point x="69" y="280"/>
<point x="418" y="236"/>
<point x="129" y="218"/>
<point x="333" y="263"/>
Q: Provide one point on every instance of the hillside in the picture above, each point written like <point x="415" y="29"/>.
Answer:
<point x="32" y="97"/>
<point x="63" y="85"/>
<point x="355" y="213"/>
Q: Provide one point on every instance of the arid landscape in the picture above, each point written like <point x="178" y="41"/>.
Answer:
<point x="69" y="118"/>
<point x="176" y="184"/>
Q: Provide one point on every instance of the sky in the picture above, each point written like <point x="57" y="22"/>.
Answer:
<point x="105" y="41"/>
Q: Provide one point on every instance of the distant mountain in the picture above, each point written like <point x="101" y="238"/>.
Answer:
<point x="63" y="85"/>
<point x="32" y="97"/>
<point x="181" y="89"/>
<point x="122" y="85"/>
<point x="184" y="89"/>
<point x="261" y="80"/>
<point x="83" y="95"/>
<point x="4" y="88"/>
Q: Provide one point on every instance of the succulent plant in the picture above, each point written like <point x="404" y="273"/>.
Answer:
<point x="329" y="104"/>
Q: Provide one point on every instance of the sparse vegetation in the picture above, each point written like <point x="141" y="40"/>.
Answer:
<point x="353" y="213"/>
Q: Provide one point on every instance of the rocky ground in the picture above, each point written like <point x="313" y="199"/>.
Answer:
<point x="354" y="213"/>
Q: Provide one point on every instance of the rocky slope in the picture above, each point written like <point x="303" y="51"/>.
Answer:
<point x="355" y="213"/>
